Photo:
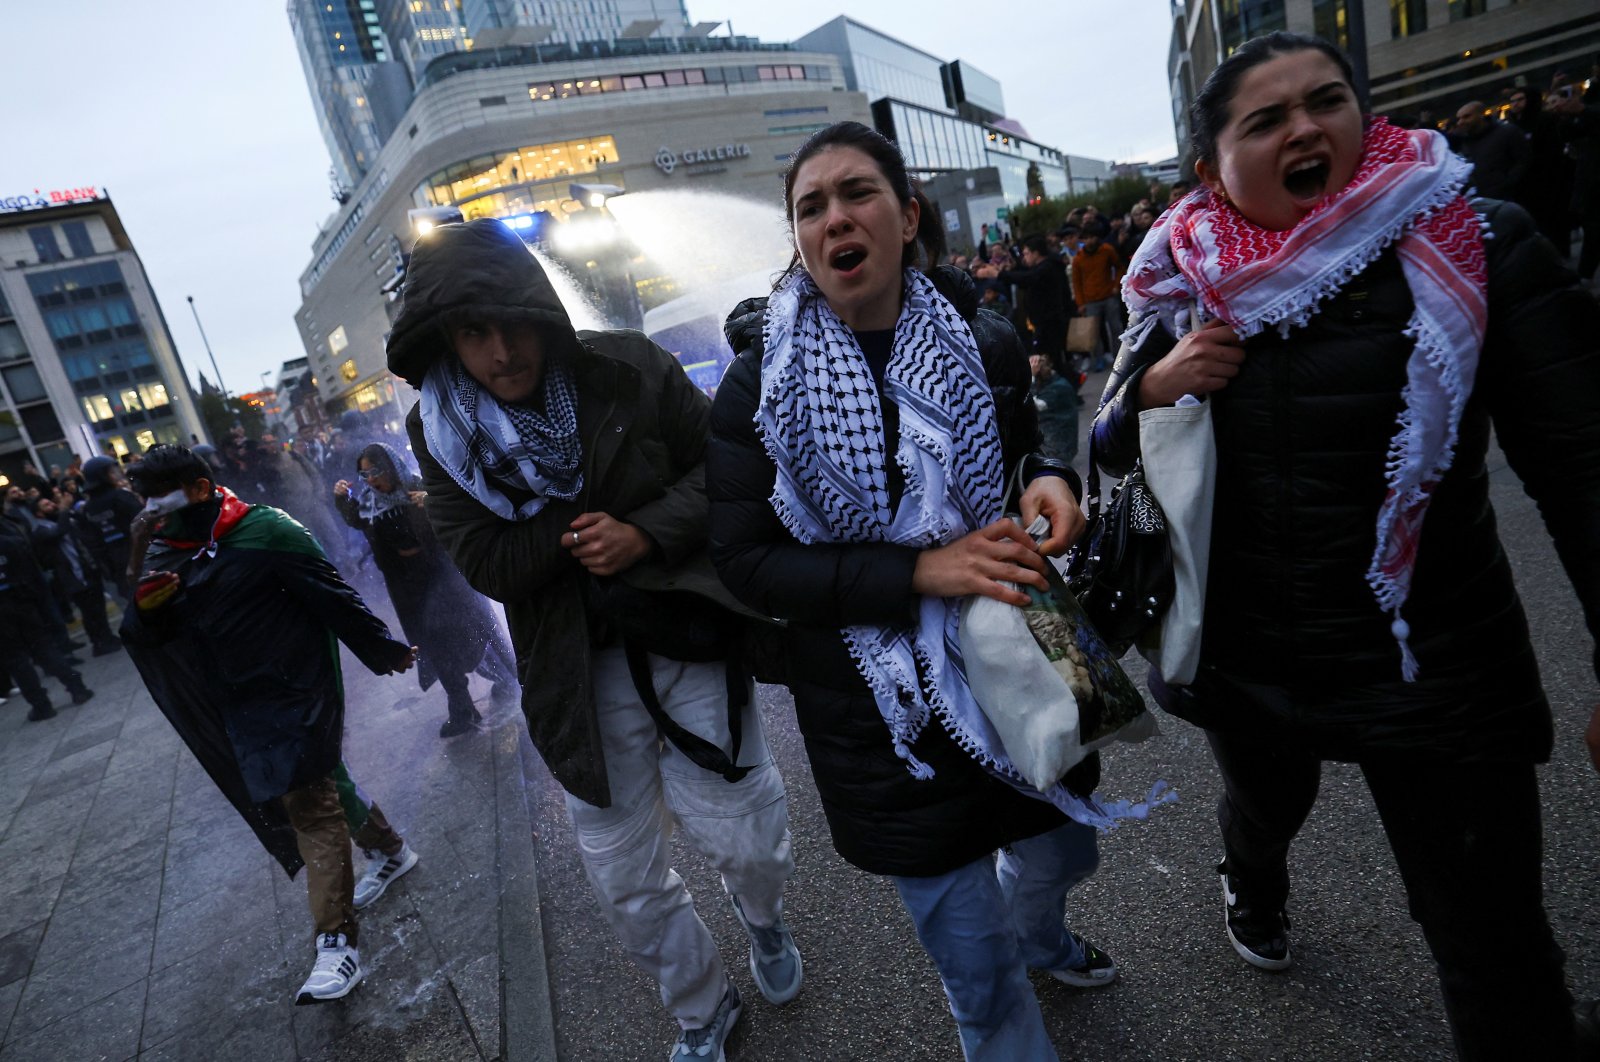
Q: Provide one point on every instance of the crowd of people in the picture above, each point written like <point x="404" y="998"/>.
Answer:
<point x="1356" y="320"/>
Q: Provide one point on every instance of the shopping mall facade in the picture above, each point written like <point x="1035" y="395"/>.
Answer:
<point x="506" y="133"/>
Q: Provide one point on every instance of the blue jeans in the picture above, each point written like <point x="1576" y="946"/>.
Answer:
<point x="984" y="925"/>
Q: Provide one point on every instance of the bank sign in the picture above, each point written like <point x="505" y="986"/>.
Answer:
<point x="54" y="197"/>
<point x="668" y="160"/>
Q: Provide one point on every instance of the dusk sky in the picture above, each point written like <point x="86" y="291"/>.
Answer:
<point x="196" y="118"/>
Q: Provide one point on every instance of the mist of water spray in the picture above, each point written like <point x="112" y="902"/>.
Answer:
<point x="579" y="307"/>
<point x="705" y="239"/>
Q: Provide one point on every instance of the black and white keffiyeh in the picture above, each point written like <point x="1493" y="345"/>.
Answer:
<point x="820" y="420"/>
<point x="486" y="445"/>
<point x="373" y="503"/>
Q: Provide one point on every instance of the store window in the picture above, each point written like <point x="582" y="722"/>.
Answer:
<point x="97" y="408"/>
<point x="514" y="168"/>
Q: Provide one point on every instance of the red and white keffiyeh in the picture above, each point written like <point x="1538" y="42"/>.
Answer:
<point x="1407" y="191"/>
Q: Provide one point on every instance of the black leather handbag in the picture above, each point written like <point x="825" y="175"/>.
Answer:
<point x="1121" y="569"/>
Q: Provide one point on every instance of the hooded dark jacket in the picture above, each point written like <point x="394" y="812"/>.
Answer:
<point x="244" y="661"/>
<point x="643" y="428"/>
<point x="882" y="819"/>
<point x="441" y="615"/>
<point x="1302" y="434"/>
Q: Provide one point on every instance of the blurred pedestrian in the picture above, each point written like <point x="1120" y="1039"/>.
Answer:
<point x="451" y="625"/>
<point x="234" y="631"/>
<point x="108" y="512"/>
<point x="27" y="638"/>
<point x="1095" y="271"/>
<point x="1497" y="150"/>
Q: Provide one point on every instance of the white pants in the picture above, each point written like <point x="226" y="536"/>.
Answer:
<point x="741" y="827"/>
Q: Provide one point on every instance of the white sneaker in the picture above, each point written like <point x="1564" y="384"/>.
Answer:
<point x="337" y="971"/>
<point x="381" y="870"/>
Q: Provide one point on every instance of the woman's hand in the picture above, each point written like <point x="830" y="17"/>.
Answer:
<point x="1202" y="362"/>
<point x="980" y="562"/>
<point x="1050" y="497"/>
<point x="606" y="545"/>
<point x="418" y="497"/>
<point x="341" y="489"/>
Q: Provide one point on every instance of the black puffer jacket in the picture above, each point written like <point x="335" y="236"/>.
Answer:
<point x="882" y="819"/>
<point x="1302" y="434"/>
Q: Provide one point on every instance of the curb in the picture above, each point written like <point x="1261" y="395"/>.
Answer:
<point x="527" y="1015"/>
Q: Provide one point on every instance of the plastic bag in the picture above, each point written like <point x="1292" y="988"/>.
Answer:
<point x="1046" y="680"/>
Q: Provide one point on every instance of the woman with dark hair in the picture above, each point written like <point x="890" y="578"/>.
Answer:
<point x="861" y="445"/>
<point x="1365" y="327"/>
<point x="452" y="625"/>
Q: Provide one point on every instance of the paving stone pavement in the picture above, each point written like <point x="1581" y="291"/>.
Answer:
<point x="140" y="918"/>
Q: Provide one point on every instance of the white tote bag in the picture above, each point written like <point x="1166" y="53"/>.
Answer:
<point x="1180" y="468"/>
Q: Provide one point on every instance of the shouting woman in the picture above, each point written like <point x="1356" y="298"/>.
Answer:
<point x="1367" y="326"/>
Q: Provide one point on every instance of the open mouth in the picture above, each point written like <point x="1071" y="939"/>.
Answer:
<point x="846" y="261"/>
<point x="1307" y="180"/>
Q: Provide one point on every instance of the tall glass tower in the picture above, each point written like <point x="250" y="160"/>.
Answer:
<point x="356" y="87"/>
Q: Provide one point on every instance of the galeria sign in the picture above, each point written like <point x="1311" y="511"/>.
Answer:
<point x="668" y="160"/>
<point x="54" y="197"/>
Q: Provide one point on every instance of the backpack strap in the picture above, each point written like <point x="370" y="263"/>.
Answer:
<point x="702" y="752"/>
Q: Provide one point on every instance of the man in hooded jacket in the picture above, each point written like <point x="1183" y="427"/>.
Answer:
<point x="233" y="630"/>
<point x="565" y="475"/>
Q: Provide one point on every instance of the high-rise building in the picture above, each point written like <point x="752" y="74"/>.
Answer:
<point x="1425" y="58"/>
<point x="948" y="117"/>
<point x="357" y="88"/>
<point x="570" y="21"/>
<point x="87" y="365"/>
<point x="416" y="31"/>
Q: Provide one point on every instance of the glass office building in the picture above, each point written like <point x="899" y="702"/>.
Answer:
<point x="945" y="116"/>
<point x="87" y="365"/>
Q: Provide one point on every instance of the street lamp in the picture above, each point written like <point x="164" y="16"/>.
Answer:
<point x="218" y="372"/>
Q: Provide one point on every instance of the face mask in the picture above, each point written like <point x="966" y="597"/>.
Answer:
<point x="166" y="503"/>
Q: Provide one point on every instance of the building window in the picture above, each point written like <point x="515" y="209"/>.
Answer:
<point x="154" y="396"/>
<point x="78" y="238"/>
<point x="42" y="425"/>
<point x="24" y="384"/>
<point x="130" y="401"/>
<point x="1407" y="17"/>
<point x="44" y="243"/>
<point x="1243" y="19"/>
<point x="145" y="439"/>
<point x="1329" y="20"/>
<point x="12" y="348"/>
<point x="118" y="446"/>
<point x="1460" y="9"/>
<point x="348" y="369"/>
<point x="97" y="407"/>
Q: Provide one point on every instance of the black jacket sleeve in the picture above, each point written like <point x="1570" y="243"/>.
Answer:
<point x="314" y="583"/>
<point x="760" y="562"/>
<point x="1114" y="438"/>
<point x="1540" y="373"/>
<point x="676" y="521"/>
